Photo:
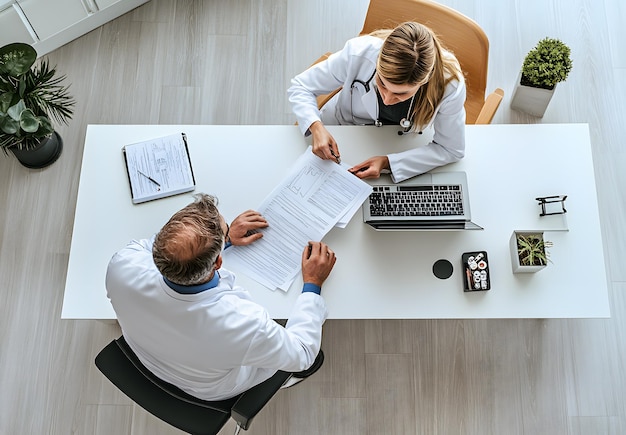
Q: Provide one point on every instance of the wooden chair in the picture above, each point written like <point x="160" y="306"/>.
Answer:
<point x="458" y="33"/>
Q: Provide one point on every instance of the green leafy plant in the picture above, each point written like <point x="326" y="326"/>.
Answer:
<point x="546" y="64"/>
<point x="29" y="97"/>
<point x="531" y="249"/>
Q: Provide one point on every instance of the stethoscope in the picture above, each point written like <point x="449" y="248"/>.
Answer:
<point x="405" y="122"/>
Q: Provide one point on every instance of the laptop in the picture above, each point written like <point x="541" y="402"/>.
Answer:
<point x="437" y="201"/>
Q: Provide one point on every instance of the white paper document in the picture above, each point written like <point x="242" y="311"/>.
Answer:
<point x="306" y="205"/>
<point x="159" y="167"/>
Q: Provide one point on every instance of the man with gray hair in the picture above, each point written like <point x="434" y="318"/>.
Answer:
<point x="189" y="323"/>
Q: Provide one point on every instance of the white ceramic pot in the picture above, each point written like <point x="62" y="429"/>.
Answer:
<point x="515" y="264"/>
<point x="528" y="99"/>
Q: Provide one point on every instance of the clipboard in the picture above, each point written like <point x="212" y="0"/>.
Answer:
<point x="158" y="168"/>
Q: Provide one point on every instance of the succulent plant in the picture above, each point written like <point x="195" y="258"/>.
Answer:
<point x="531" y="249"/>
<point x="546" y="64"/>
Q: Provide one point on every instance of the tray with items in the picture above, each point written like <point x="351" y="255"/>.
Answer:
<point x="476" y="271"/>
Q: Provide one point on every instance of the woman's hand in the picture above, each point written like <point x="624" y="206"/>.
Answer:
<point x="244" y="229"/>
<point x="324" y="145"/>
<point x="371" y="168"/>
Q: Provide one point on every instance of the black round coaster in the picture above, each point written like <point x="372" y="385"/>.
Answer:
<point x="442" y="269"/>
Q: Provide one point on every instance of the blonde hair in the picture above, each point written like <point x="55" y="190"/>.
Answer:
<point x="412" y="55"/>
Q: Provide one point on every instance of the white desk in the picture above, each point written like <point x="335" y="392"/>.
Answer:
<point x="377" y="275"/>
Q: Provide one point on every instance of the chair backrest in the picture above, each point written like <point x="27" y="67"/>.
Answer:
<point x="169" y="403"/>
<point x="458" y="33"/>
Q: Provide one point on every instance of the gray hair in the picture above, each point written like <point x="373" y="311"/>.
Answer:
<point x="187" y="247"/>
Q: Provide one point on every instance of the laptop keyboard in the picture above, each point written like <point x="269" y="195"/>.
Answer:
<point x="435" y="200"/>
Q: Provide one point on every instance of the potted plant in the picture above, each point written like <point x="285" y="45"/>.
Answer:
<point x="29" y="98"/>
<point x="544" y="66"/>
<point x="528" y="251"/>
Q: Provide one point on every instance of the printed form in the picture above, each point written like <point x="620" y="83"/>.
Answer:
<point x="315" y="196"/>
<point x="159" y="167"/>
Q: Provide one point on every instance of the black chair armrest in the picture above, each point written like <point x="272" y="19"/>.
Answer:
<point x="252" y="401"/>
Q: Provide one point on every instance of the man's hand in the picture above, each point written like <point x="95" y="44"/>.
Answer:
<point x="244" y="229"/>
<point x="371" y="168"/>
<point x="317" y="262"/>
<point x="324" y="144"/>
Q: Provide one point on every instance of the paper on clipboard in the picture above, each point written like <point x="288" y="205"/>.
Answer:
<point x="158" y="168"/>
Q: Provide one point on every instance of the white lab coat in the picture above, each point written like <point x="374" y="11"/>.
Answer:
<point x="214" y="344"/>
<point x="357" y="61"/>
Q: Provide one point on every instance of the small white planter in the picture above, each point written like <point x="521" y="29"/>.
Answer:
<point x="528" y="99"/>
<point x="515" y="264"/>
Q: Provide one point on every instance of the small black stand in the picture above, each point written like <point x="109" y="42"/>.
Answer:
<point x="550" y="205"/>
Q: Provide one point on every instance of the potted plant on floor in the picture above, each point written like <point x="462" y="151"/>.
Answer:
<point x="544" y="66"/>
<point x="29" y="98"/>
<point x="528" y="251"/>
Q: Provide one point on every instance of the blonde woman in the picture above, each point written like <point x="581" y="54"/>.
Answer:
<point x="400" y="77"/>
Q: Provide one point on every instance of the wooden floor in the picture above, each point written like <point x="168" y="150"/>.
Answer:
<point x="229" y="62"/>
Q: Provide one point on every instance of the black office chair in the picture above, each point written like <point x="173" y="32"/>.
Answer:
<point x="169" y="403"/>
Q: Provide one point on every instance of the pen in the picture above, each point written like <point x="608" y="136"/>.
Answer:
<point x="332" y="153"/>
<point x="359" y="170"/>
<point x="149" y="178"/>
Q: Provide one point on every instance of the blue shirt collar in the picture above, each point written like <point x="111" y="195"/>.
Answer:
<point x="193" y="289"/>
